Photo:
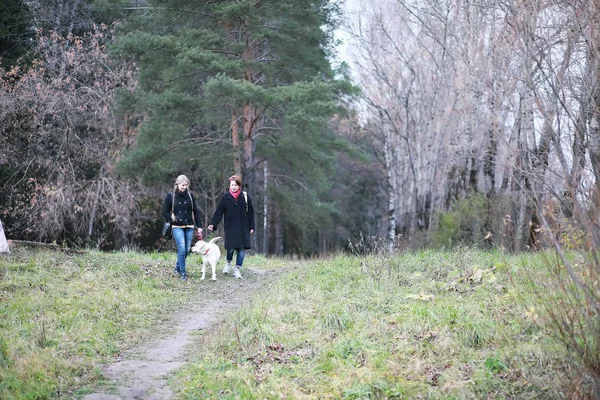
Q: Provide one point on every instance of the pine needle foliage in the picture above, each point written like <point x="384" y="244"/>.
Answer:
<point x="202" y="64"/>
<point x="246" y="86"/>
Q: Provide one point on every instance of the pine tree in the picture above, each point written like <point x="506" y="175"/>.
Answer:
<point x="244" y="81"/>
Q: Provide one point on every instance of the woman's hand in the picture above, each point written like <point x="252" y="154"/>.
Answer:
<point x="210" y="227"/>
<point x="251" y="231"/>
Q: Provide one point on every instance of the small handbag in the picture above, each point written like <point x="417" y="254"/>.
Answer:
<point x="167" y="231"/>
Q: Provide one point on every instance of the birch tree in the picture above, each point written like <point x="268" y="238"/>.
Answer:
<point x="503" y="104"/>
<point x="463" y="104"/>
<point x="405" y="67"/>
<point x="66" y="17"/>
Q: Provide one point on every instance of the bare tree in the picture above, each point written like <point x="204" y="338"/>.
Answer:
<point x="62" y="141"/>
<point x="411" y="78"/>
<point x="499" y="99"/>
<point x="67" y="17"/>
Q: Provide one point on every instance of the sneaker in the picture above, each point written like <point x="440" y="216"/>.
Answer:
<point x="183" y="278"/>
<point x="227" y="267"/>
<point x="237" y="273"/>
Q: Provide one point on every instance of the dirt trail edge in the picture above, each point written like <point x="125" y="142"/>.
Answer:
<point x="143" y="372"/>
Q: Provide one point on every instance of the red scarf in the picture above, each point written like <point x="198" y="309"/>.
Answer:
<point x="235" y="194"/>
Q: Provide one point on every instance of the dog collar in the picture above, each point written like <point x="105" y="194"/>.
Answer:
<point x="206" y="252"/>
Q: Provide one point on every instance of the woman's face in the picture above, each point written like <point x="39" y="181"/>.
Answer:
<point x="182" y="186"/>
<point x="233" y="186"/>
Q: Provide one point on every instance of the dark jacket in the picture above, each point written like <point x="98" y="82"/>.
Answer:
<point x="182" y="208"/>
<point x="237" y="221"/>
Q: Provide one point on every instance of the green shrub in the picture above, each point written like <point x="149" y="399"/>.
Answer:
<point x="466" y="222"/>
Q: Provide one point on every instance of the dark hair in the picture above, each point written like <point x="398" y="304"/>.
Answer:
<point x="237" y="179"/>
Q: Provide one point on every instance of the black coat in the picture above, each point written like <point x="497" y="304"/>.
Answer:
<point x="237" y="220"/>
<point x="182" y="208"/>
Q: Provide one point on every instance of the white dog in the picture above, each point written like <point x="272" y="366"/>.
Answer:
<point x="210" y="255"/>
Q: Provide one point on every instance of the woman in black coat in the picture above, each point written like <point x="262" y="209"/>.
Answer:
<point x="236" y="208"/>
<point x="180" y="209"/>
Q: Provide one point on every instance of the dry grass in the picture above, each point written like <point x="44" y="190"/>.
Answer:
<point x="460" y="324"/>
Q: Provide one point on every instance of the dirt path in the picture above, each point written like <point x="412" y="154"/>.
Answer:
<point x="143" y="372"/>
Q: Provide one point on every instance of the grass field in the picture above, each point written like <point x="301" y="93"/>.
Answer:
<point x="430" y="325"/>
<point x="60" y="315"/>
<point x="461" y="324"/>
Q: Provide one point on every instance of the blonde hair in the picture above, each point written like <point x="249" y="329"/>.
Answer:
<point x="181" y="179"/>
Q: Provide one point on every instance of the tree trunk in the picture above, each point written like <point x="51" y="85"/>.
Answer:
<point x="322" y="238"/>
<point x="95" y="207"/>
<point x="594" y="108"/>
<point x="520" y="228"/>
<point x="490" y="157"/>
<point x="265" y="237"/>
<point x="391" y="187"/>
<point x="278" y="226"/>
<point x="249" y="121"/>
<point x="412" y="228"/>
<point x="520" y="186"/>
<point x="250" y="113"/>
<point x="250" y="118"/>
<point x="235" y="141"/>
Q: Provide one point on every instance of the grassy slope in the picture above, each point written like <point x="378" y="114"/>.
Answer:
<point x="431" y="325"/>
<point x="461" y="324"/>
<point x="60" y="315"/>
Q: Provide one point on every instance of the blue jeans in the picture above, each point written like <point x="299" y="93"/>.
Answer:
<point x="183" y="239"/>
<point x="239" y="259"/>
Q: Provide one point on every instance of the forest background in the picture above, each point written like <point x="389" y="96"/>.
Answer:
<point x="451" y="122"/>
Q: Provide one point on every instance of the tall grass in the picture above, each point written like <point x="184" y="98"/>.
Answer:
<point x="460" y="324"/>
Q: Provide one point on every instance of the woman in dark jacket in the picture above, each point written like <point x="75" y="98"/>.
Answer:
<point x="236" y="207"/>
<point x="180" y="209"/>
